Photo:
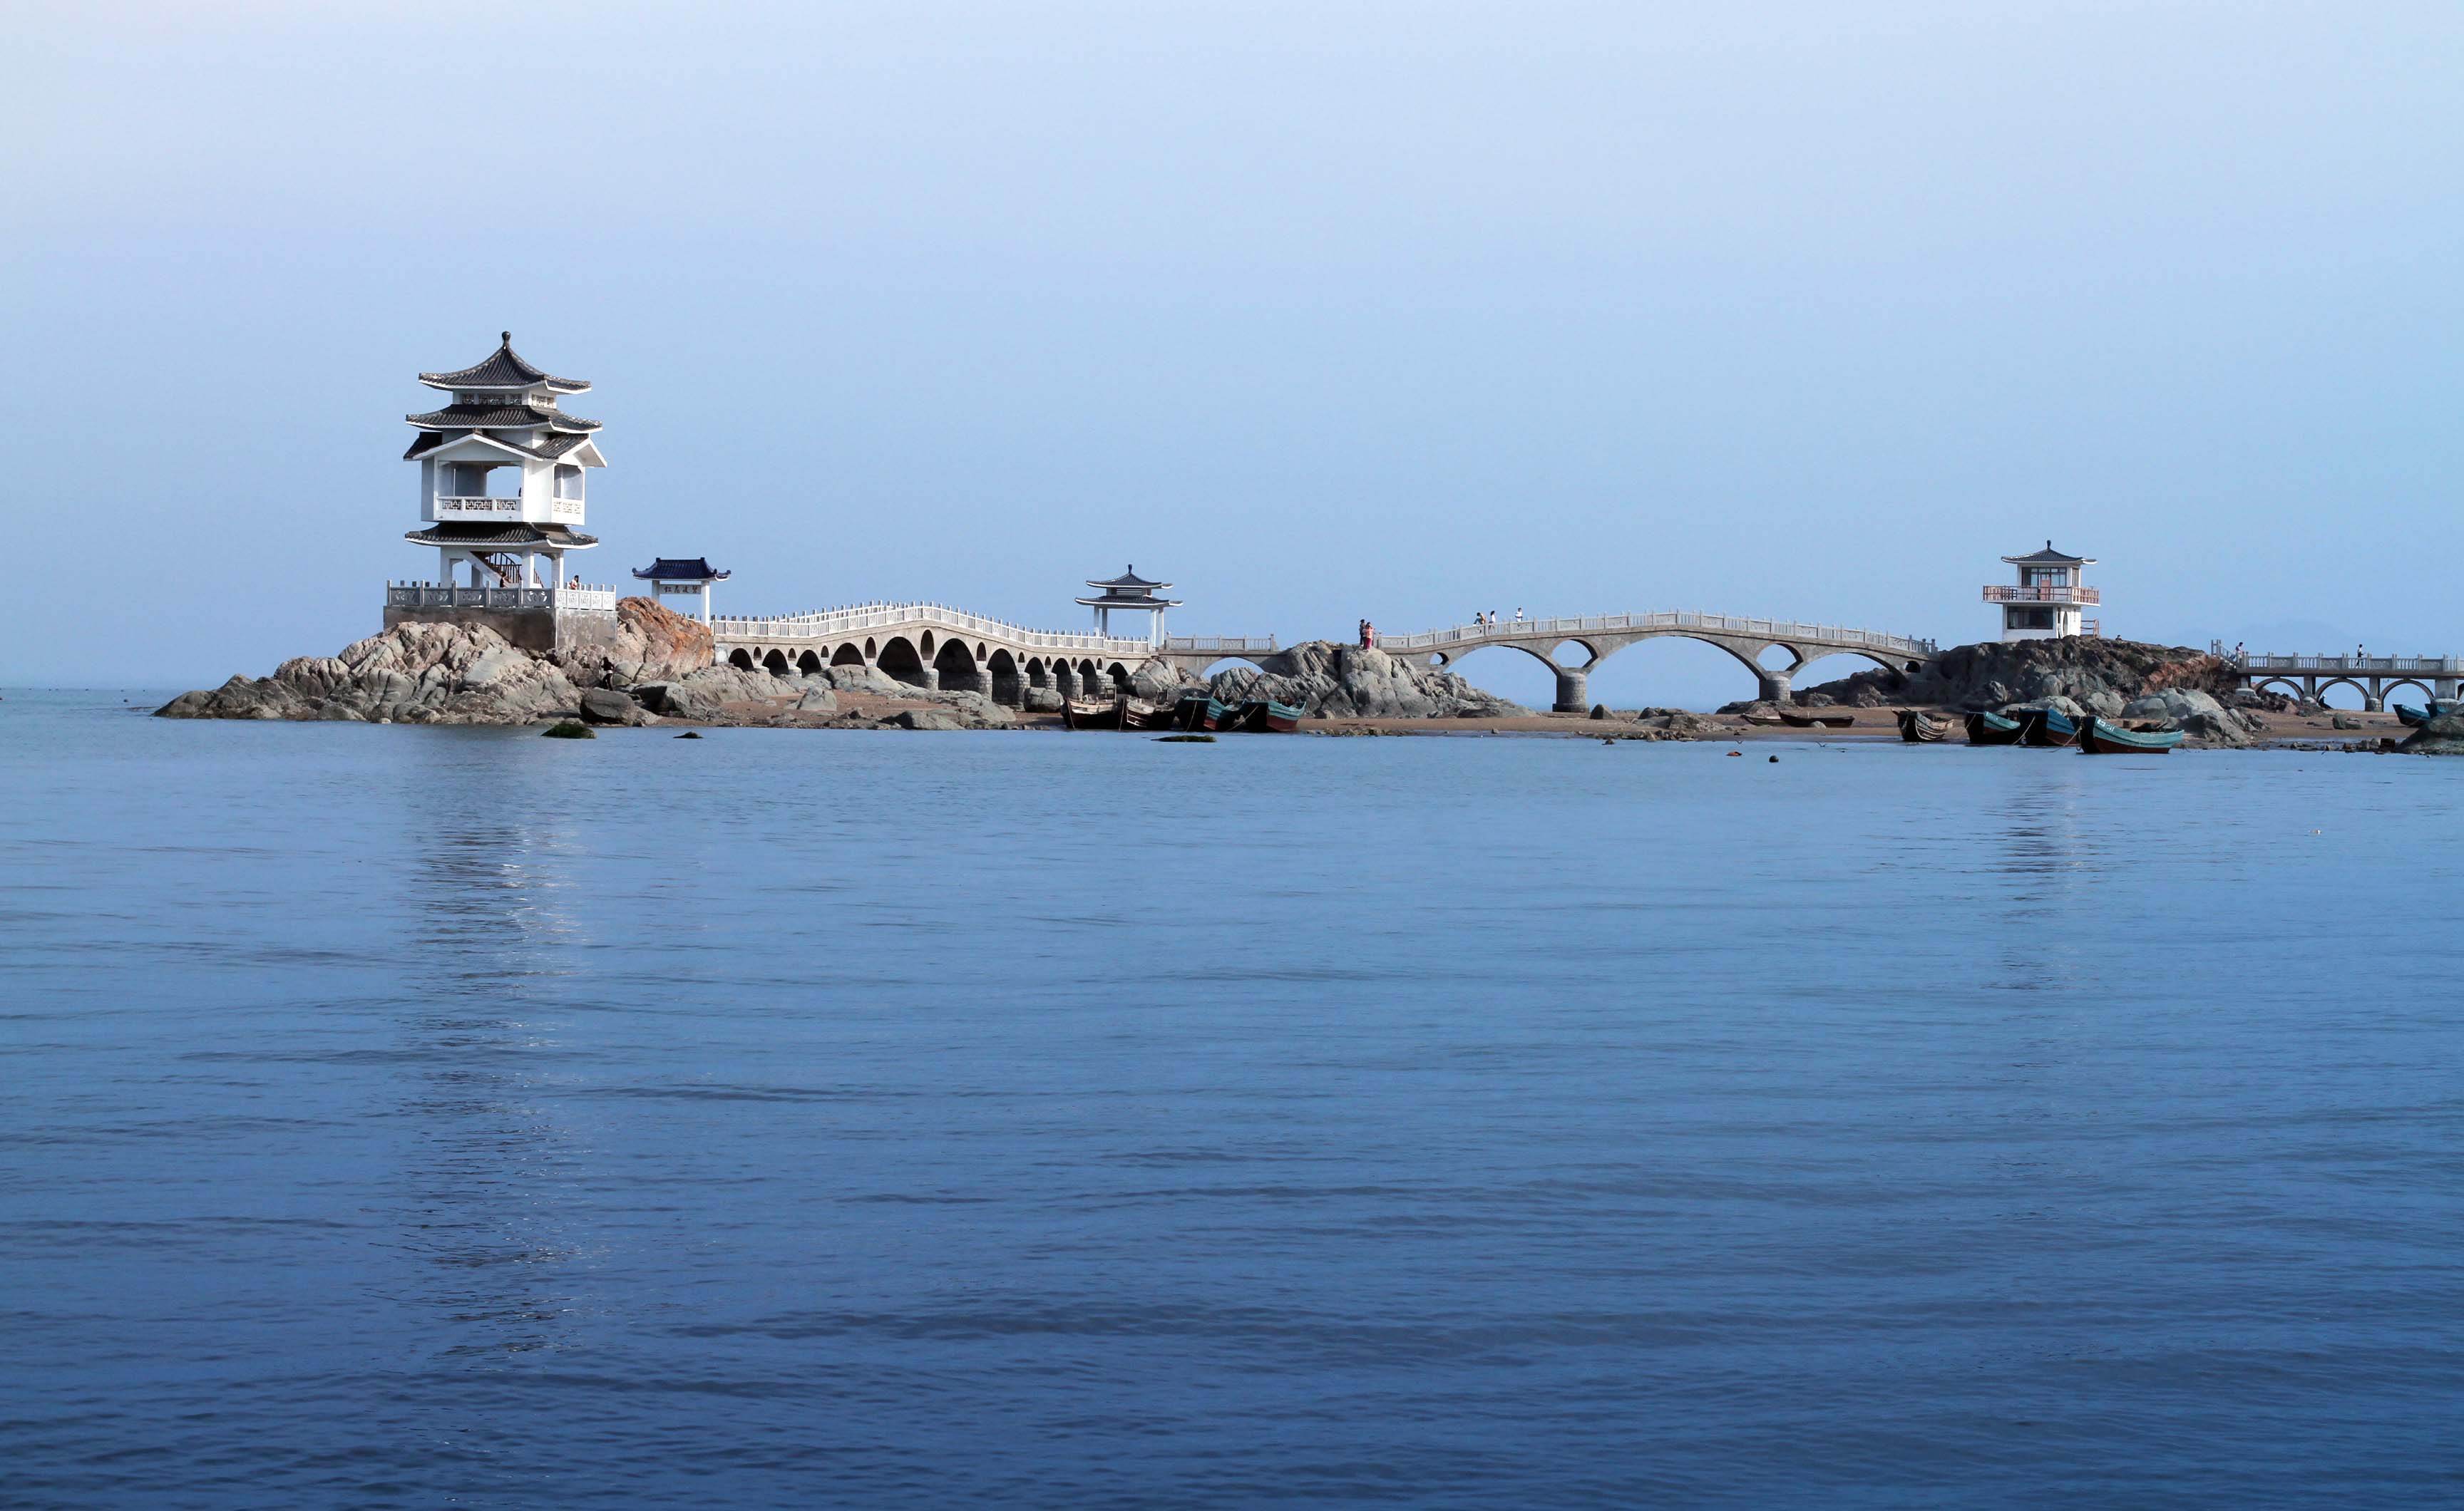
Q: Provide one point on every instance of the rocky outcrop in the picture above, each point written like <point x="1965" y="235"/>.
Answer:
<point x="2097" y="676"/>
<point x="2200" y="715"/>
<point x="649" y="644"/>
<point x="1161" y="681"/>
<point x="1333" y="681"/>
<point x="2443" y="735"/>
<point x="416" y="673"/>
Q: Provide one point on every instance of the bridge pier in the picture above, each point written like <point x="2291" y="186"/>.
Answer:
<point x="930" y="678"/>
<point x="1574" y="690"/>
<point x="1774" y="686"/>
<point x="1065" y="679"/>
<point x="2374" y="699"/>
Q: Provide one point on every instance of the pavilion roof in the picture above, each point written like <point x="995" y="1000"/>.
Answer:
<point x="680" y="569"/>
<point x="1129" y="578"/>
<point x="502" y="369"/>
<point x="474" y="533"/>
<point x="2050" y="556"/>
<point x="1129" y="601"/>
<point x="497" y="417"/>
<point x="551" y="446"/>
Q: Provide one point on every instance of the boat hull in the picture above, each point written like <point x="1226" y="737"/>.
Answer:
<point x="2044" y="729"/>
<point x="2097" y="737"/>
<point x="1918" y="729"/>
<point x="1991" y="728"/>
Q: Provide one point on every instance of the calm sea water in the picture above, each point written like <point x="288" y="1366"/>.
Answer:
<point x="405" y="1117"/>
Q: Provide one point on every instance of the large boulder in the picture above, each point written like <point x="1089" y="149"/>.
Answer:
<point x="1161" y="681"/>
<point x="1332" y="681"/>
<point x="2199" y="715"/>
<point x="2440" y="737"/>
<point x="649" y="644"/>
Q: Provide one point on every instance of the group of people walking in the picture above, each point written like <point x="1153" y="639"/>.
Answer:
<point x="1488" y="619"/>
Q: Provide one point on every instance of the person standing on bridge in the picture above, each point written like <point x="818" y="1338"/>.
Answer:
<point x="1518" y="613"/>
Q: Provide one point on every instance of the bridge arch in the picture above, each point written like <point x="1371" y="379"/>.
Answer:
<point x="899" y="660"/>
<point x="846" y="655"/>
<point x="2388" y="689"/>
<point x="2330" y="684"/>
<point x="2290" y="686"/>
<point x="809" y="663"/>
<point x="1001" y="680"/>
<point x="740" y="658"/>
<point x="776" y="662"/>
<point x="956" y="669"/>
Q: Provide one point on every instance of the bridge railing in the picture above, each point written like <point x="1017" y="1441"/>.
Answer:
<point x="1775" y="629"/>
<point x="2355" y="665"/>
<point x="1220" y="645"/>
<point x="826" y="623"/>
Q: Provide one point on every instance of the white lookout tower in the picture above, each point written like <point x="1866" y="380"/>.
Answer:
<point x="2046" y="602"/>
<point x="500" y="472"/>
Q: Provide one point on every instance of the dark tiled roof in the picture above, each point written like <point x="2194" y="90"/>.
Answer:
<point x="502" y="369"/>
<point x="680" y="569"/>
<point x="496" y="417"/>
<point x="1130" y="601"/>
<point x="550" y="446"/>
<point x="516" y="534"/>
<point x="2049" y="554"/>
<point x="1128" y="579"/>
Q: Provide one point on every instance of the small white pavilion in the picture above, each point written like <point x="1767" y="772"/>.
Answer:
<point x="683" y="577"/>
<point x="2045" y="603"/>
<point x="500" y="471"/>
<point x="1128" y="593"/>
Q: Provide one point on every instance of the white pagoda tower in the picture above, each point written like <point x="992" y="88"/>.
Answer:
<point x="2045" y="604"/>
<point x="500" y="495"/>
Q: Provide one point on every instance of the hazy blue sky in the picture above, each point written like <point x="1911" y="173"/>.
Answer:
<point x="1319" y="310"/>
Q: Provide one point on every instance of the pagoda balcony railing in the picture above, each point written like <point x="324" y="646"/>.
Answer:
<point x="1220" y="645"/>
<point x="2012" y="593"/>
<point x="600" y="598"/>
<point x="1776" y="630"/>
<point x="826" y="623"/>
<point x="467" y="506"/>
<point x="564" y="508"/>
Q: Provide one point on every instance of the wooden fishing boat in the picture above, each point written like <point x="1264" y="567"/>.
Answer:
<point x="2098" y="737"/>
<point x="1807" y="721"/>
<point x="1260" y="716"/>
<point x="1919" y="728"/>
<point x="1282" y="718"/>
<point x="1091" y="716"/>
<point x="2410" y="718"/>
<point x="2047" y="729"/>
<point x="1991" y="728"/>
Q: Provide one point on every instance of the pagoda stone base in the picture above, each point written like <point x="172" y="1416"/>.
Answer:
<point x="535" y="630"/>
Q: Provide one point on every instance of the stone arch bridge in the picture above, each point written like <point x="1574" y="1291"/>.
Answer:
<point x="934" y="645"/>
<point x="2372" y="677"/>
<point x="1601" y="636"/>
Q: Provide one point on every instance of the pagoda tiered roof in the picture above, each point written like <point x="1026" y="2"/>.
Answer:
<point x="474" y="533"/>
<point x="550" y="447"/>
<point x="498" y="417"/>
<point x="504" y="369"/>
<point x="1129" y="579"/>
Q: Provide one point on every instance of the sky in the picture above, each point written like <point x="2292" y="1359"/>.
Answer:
<point x="1319" y="310"/>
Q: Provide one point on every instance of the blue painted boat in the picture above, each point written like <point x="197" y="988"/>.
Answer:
<point x="1991" y="728"/>
<point x="2045" y="728"/>
<point x="2412" y="717"/>
<point x="2097" y="737"/>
